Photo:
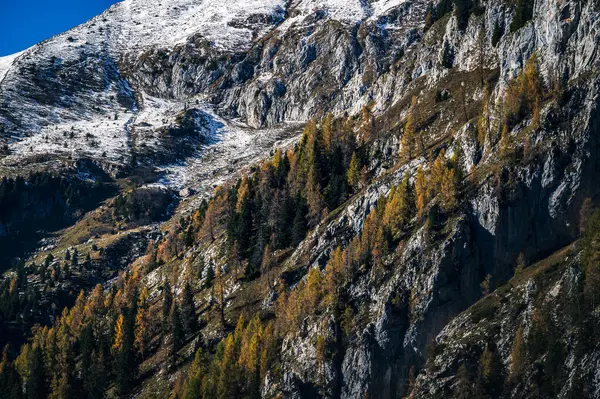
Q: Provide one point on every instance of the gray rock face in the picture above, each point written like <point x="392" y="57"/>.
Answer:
<point x="553" y="285"/>
<point x="535" y="213"/>
<point x="306" y="60"/>
<point x="300" y="71"/>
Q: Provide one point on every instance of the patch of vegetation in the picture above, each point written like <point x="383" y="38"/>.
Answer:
<point x="43" y="201"/>
<point x="523" y="14"/>
<point x="485" y="309"/>
<point x="436" y="13"/>
<point x="144" y="205"/>
<point x="448" y="56"/>
<point x="497" y="33"/>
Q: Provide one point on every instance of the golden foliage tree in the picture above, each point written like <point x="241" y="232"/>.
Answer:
<point x="518" y="355"/>
<point x="408" y="147"/>
<point x="353" y="174"/>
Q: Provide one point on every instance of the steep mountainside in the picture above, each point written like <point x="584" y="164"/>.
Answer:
<point x="336" y="199"/>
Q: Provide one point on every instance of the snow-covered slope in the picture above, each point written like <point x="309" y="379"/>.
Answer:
<point x="66" y="96"/>
<point x="228" y="25"/>
<point x="84" y="93"/>
<point x="6" y="62"/>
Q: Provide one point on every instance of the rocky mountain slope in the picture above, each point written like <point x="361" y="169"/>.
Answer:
<point x="483" y="113"/>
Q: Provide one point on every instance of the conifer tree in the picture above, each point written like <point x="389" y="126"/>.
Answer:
<point x="166" y="305"/>
<point x="62" y="387"/>
<point x="210" y="275"/>
<point x="328" y="132"/>
<point x="188" y="310"/>
<point x="490" y="377"/>
<point x="219" y="293"/>
<point x="591" y="260"/>
<point x="87" y="263"/>
<point x="518" y="355"/>
<point x="299" y="224"/>
<point x="30" y="365"/>
<point x="198" y="371"/>
<point x="10" y="381"/>
<point x="449" y="190"/>
<point x="316" y="204"/>
<point x="95" y="377"/>
<point x="448" y="56"/>
<point x="484" y="119"/>
<point x="75" y="259"/>
<point x="445" y="182"/>
<point x="398" y="208"/>
<point x="177" y="333"/>
<point x="142" y="325"/>
<point x="336" y="275"/>
<point x="210" y="220"/>
<point x="227" y="385"/>
<point x="421" y="190"/>
<point x="66" y="270"/>
<point x="368" y="123"/>
<point x="86" y="345"/>
<point x="235" y="258"/>
<point x="123" y="350"/>
<point x="266" y="267"/>
<point x="48" y="260"/>
<point x="409" y="136"/>
<point x="353" y="174"/>
<point x="462" y="9"/>
<point x="463" y="388"/>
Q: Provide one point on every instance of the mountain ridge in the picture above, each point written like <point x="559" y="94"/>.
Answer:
<point x="340" y="198"/>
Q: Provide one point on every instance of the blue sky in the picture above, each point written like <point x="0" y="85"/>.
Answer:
<point x="24" y="23"/>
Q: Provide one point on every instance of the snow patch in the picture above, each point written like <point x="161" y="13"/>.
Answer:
<point x="233" y="146"/>
<point x="6" y="62"/>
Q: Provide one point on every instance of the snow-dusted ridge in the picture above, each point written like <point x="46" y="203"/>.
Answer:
<point x="94" y="115"/>
<point x="234" y="146"/>
<point x="6" y="62"/>
<point x="67" y="98"/>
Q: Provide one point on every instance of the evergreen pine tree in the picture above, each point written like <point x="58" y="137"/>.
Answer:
<point x="210" y="275"/>
<point x="463" y="388"/>
<point x="490" y="378"/>
<point x="62" y="387"/>
<point x="188" y="310"/>
<point x="74" y="259"/>
<point x="219" y="293"/>
<point x="48" y="260"/>
<point x="448" y="56"/>
<point x="299" y="225"/>
<point x="35" y="384"/>
<point x="266" y="266"/>
<point x="95" y="378"/>
<point x="10" y="381"/>
<point x="177" y="333"/>
<point x="166" y="306"/>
